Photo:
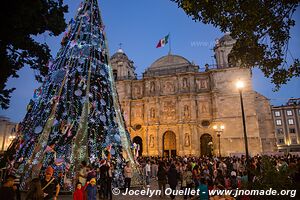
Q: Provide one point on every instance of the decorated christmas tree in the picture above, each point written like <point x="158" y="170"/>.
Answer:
<point x="75" y="114"/>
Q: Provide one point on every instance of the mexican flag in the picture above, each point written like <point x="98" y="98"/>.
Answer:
<point x="163" y="41"/>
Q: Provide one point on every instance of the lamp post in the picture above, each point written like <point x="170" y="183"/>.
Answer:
<point x="240" y="85"/>
<point x="219" y="130"/>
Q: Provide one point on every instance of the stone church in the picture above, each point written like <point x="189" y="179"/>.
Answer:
<point x="176" y="109"/>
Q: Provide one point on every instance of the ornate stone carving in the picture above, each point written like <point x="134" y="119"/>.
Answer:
<point x="185" y="83"/>
<point x="137" y="111"/>
<point x="203" y="84"/>
<point x="186" y="112"/>
<point x="187" y="139"/>
<point x="152" y="113"/>
<point x="151" y="141"/>
<point x="169" y="87"/>
<point x="198" y="83"/>
<point x="152" y="87"/>
<point x="169" y="111"/>
<point x="204" y="107"/>
<point x="137" y="91"/>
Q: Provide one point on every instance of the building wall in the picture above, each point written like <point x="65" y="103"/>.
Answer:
<point x="7" y="133"/>
<point x="287" y="140"/>
<point x="181" y="102"/>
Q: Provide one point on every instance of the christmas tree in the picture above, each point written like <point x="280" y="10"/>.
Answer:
<point x="75" y="114"/>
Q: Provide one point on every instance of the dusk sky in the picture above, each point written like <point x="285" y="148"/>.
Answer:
<point x="139" y="25"/>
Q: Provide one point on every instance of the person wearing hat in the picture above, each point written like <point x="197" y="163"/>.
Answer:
<point x="50" y="185"/>
<point x="91" y="189"/>
<point x="7" y="190"/>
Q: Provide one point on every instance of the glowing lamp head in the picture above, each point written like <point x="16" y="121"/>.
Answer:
<point x="240" y="85"/>
<point x="215" y="127"/>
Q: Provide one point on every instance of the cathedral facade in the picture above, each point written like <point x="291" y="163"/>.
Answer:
<point x="176" y="109"/>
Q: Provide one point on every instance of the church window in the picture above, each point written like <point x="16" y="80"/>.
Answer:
<point x="279" y="131"/>
<point x="277" y="113"/>
<point x="292" y="130"/>
<point x="278" y="122"/>
<point x="291" y="121"/>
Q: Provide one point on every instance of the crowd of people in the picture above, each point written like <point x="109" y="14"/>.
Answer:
<point x="200" y="173"/>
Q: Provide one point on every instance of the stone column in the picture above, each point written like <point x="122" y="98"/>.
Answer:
<point x="147" y="141"/>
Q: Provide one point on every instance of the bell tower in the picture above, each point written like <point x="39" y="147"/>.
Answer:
<point x="123" y="68"/>
<point x="222" y="49"/>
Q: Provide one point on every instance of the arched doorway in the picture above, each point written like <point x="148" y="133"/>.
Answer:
<point x="206" y="145"/>
<point x="138" y="140"/>
<point x="169" y="144"/>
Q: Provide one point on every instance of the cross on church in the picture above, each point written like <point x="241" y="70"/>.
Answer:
<point x="120" y="45"/>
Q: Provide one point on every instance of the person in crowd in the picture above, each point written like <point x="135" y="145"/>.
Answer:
<point x="17" y="180"/>
<point x="196" y="175"/>
<point x="148" y="173"/>
<point x="127" y="175"/>
<point x="82" y="173"/>
<point x="109" y="179"/>
<point x="173" y="177"/>
<point x="7" y="190"/>
<point x="203" y="188"/>
<point x="162" y="178"/>
<point x="154" y="168"/>
<point x="91" y="173"/>
<point x="79" y="193"/>
<point x="35" y="192"/>
<point x="50" y="186"/>
<point x="103" y="179"/>
<point x="91" y="190"/>
<point x="233" y="180"/>
<point x="60" y="179"/>
<point x="187" y="180"/>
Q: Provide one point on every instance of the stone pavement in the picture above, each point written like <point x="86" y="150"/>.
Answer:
<point x="153" y="187"/>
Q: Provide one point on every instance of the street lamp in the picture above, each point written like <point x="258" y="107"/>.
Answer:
<point x="240" y="85"/>
<point x="219" y="130"/>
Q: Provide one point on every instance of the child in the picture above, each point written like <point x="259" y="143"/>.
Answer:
<point x="79" y="192"/>
<point x="91" y="190"/>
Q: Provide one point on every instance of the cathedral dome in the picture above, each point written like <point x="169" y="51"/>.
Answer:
<point x="169" y="61"/>
<point x="170" y="64"/>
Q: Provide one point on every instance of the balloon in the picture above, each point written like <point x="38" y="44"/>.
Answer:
<point x="112" y="151"/>
<point x="117" y="137"/>
<point x="78" y="92"/>
<point x="38" y="129"/>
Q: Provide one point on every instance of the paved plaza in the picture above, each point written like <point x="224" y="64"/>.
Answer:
<point x="154" y="186"/>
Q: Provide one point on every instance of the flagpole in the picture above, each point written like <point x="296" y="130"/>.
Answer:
<point x="169" y="44"/>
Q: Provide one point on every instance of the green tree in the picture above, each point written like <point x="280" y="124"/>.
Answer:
<point x="20" y="20"/>
<point x="270" y="177"/>
<point x="261" y="29"/>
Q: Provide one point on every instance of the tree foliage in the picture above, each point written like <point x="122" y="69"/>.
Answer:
<point x="261" y="29"/>
<point x="271" y="177"/>
<point x="20" y="20"/>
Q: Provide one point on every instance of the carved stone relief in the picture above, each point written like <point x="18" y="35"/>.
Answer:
<point x="185" y="84"/>
<point x="204" y="107"/>
<point x="152" y="113"/>
<point x="168" y="87"/>
<point x="151" y="141"/>
<point x="187" y="139"/>
<point x="152" y="87"/>
<point x="169" y="111"/>
<point x="186" y="112"/>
